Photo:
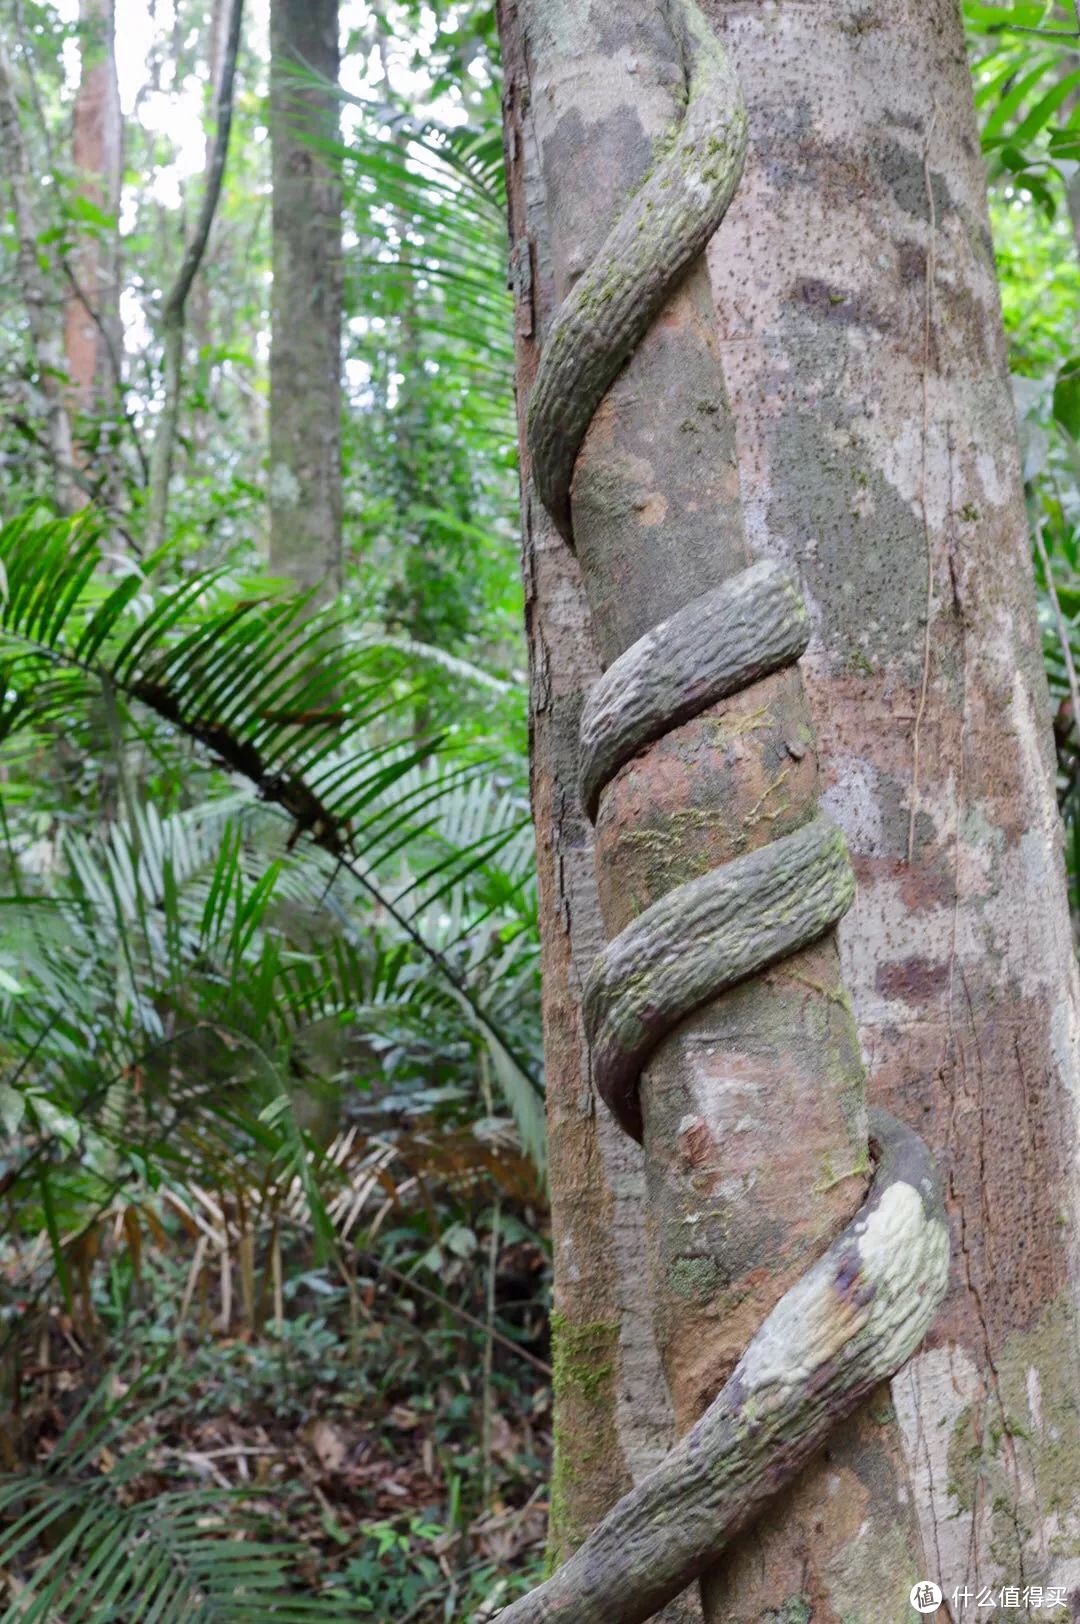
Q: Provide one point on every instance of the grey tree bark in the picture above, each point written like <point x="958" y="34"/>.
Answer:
<point x="305" y="356"/>
<point x="613" y="1416"/>
<point x="654" y="480"/>
<point x="840" y="116"/>
<point x="202" y="311"/>
<point x="863" y="347"/>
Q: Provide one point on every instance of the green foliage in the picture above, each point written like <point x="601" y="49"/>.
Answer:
<point x="397" y="1575"/>
<point x="1027" y="79"/>
<point x="1066" y="397"/>
<point x="276" y="694"/>
<point x="308" y="1387"/>
<point x="433" y="354"/>
<point x="312" y="906"/>
<point x="1039" y="279"/>
<point x="269" y="992"/>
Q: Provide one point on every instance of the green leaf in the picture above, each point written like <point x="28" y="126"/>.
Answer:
<point x="12" y="1108"/>
<point x="1039" y="116"/>
<point x="1065" y="143"/>
<point x="1011" y="102"/>
<point x="1021" y="14"/>
<point x="80" y="207"/>
<point x="1067" y="397"/>
<point x="52" y="1229"/>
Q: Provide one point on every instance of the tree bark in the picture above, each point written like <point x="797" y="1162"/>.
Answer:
<point x="861" y="337"/>
<point x="613" y="1418"/>
<point x="758" y="1096"/>
<point x="201" y="312"/>
<point x="305" y="357"/>
<point x="857" y="299"/>
<point x="92" y="338"/>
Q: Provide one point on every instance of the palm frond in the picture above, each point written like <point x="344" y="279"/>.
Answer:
<point x="265" y="684"/>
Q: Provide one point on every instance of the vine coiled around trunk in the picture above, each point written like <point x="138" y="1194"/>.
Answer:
<point x="862" y="1309"/>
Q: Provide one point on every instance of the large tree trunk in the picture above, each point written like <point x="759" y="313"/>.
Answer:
<point x="753" y="1130"/>
<point x="836" y="133"/>
<point x="855" y="286"/>
<point x="92" y="339"/>
<point x="305" y="357"/>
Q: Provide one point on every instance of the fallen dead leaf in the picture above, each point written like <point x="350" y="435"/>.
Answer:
<point x="327" y="1445"/>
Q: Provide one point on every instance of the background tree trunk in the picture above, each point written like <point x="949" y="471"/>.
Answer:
<point x="174" y="314"/>
<point x="44" y="335"/>
<point x="855" y="286"/>
<point x="92" y="338"/>
<point x="305" y="357"/>
<point x="202" y="324"/>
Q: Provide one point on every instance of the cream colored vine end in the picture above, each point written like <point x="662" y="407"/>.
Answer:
<point x="849" y="1323"/>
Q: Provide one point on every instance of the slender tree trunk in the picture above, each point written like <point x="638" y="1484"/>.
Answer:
<point x="856" y="293"/>
<point x="1072" y="198"/>
<point x="44" y="336"/>
<point x="201" y="315"/>
<point x="305" y="357"/>
<point x="174" y="315"/>
<point x="92" y="340"/>
<point x="305" y="476"/>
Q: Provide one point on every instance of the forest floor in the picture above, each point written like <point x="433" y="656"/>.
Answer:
<point x="400" y="1449"/>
